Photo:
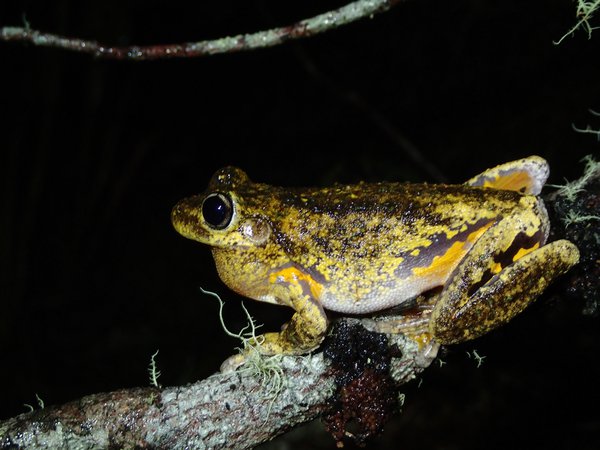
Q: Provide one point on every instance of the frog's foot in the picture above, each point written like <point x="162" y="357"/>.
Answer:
<point x="302" y="334"/>
<point x="415" y="327"/>
<point x="413" y="324"/>
<point x="470" y="307"/>
<point x="263" y="345"/>
<point x="268" y="344"/>
<point x="233" y="362"/>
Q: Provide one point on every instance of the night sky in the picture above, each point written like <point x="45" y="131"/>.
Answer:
<point x="94" y="154"/>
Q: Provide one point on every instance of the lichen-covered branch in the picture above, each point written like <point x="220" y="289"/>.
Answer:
<point x="237" y="410"/>
<point x="222" y="411"/>
<point x="266" y="38"/>
<point x="575" y="215"/>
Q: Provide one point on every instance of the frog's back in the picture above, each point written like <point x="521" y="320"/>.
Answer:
<point x="373" y="246"/>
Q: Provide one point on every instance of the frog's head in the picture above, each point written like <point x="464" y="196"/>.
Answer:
<point x="227" y="215"/>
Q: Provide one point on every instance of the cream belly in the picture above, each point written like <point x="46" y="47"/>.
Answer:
<point x="379" y="298"/>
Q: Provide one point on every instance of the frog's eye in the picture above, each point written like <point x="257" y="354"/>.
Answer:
<point x="217" y="210"/>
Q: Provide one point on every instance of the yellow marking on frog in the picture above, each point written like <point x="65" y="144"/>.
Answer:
<point x="496" y="268"/>
<point x="523" y="251"/>
<point x="515" y="181"/>
<point x="443" y="264"/>
<point x="451" y="233"/>
<point x="422" y="339"/>
<point x="415" y="252"/>
<point x="294" y="276"/>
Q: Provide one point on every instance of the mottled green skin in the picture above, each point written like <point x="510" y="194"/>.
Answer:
<point x="367" y="247"/>
<point x="357" y="240"/>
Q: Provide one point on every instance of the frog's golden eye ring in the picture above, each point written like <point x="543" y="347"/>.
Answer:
<point x="217" y="210"/>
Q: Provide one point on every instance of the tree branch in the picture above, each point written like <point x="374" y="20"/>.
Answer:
<point x="266" y="38"/>
<point x="242" y="409"/>
<point x="237" y="410"/>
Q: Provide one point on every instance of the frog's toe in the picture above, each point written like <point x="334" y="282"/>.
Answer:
<point x="232" y="363"/>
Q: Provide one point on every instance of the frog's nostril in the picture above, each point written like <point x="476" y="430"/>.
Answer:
<point x="176" y="216"/>
<point x="176" y="212"/>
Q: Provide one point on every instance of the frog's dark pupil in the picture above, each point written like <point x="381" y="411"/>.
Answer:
<point x="217" y="210"/>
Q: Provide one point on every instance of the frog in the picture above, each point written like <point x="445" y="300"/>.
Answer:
<point x="364" y="248"/>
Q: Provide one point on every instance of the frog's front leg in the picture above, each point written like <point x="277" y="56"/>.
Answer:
<point x="504" y="271"/>
<point x="303" y="333"/>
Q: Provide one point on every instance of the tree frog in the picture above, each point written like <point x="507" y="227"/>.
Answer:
<point x="367" y="247"/>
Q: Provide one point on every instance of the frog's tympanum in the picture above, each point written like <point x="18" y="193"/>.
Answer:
<point x="372" y="246"/>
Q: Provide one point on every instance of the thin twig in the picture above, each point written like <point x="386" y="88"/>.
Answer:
<point x="266" y="38"/>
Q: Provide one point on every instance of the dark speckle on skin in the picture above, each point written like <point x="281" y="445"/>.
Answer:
<point x="363" y="248"/>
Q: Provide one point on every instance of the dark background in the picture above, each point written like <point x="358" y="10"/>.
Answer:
<point x="94" y="153"/>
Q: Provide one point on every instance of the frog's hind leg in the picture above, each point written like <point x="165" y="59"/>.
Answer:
<point x="414" y="323"/>
<point x="526" y="176"/>
<point x="502" y="274"/>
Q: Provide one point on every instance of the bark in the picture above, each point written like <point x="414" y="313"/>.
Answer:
<point x="237" y="410"/>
